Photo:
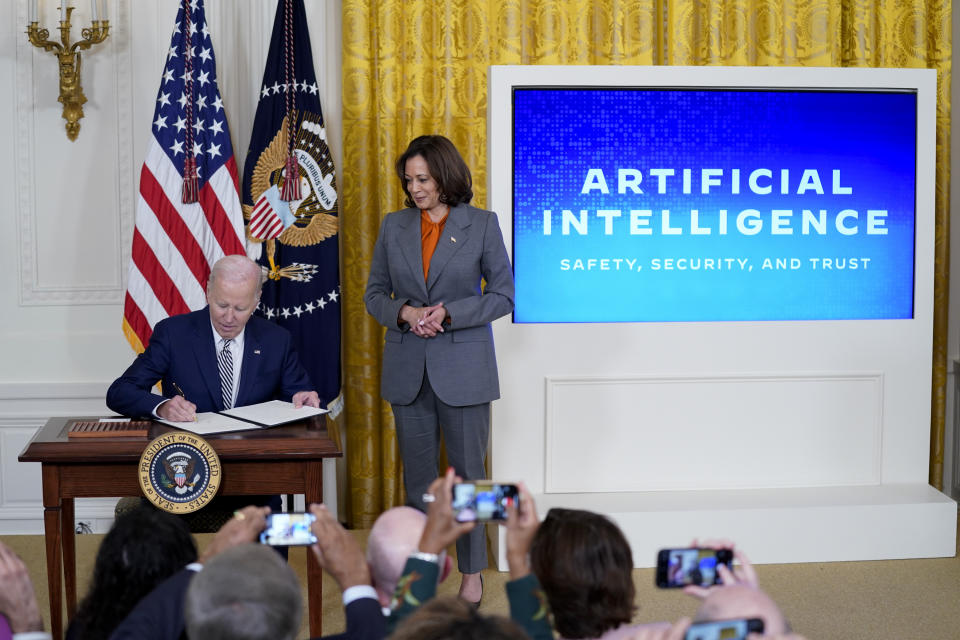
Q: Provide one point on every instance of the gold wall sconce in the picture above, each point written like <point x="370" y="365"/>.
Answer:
<point x="71" y="93"/>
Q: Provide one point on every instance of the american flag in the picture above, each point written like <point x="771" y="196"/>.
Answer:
<point x="265" y="218"/>
<point x="175" y="243"/>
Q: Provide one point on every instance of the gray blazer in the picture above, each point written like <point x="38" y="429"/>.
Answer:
<point x="461" y="361"/>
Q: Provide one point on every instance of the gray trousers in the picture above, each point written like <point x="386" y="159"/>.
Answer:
<point x="466" y="431"/>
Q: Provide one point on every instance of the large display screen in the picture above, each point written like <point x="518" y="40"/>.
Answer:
<point x="689" y="204"/>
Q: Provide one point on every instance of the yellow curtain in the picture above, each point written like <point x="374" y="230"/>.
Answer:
<point x="412" y="67"/>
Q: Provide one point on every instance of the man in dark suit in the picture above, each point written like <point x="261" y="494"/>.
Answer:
<point x="188" y="355"/>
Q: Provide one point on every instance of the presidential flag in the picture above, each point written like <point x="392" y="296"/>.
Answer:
<point x="290" y="203"/>
<point x="188" y="213"/>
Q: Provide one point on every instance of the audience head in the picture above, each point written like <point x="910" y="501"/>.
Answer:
<point x="393" y="537"/>
<point x="452" y="618"/>
<point x="247" y="592"/>
<point x="233" y="291"/>
<point x="446" y="167"/>
<point x="742" y="601"/>
<point x="584" y="564"/>
<point x="143" y="548"/>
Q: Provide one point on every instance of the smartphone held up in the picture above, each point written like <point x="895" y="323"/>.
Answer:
<point x="288" y="530"/>
<point x="482" y="500"/>
<point x="724" y="629"/>
<point x="682" y="567"/>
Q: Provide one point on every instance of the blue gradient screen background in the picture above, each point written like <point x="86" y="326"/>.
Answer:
<point x="561" y="134"/>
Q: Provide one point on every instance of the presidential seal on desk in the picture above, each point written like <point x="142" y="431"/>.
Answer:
<point x="179" y="472"/>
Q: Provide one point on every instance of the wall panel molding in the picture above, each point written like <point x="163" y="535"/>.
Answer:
<point x="25" y="408"/>
<point x="651" y="433"/>
<point x="23" y="403"/>
<point x="33" y="66"/>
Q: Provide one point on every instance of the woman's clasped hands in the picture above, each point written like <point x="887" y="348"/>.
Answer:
<point x="425" y="322"/>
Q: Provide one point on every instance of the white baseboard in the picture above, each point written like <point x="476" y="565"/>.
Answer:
<point x="96" y="513"/>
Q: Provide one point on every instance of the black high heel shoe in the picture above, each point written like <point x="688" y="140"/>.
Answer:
<point x="476" y="605"/>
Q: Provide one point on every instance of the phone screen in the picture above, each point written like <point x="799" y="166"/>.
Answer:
<point x="288" y="529"/>
<point x="724" y="629"/>
<point x="482" y="500"/>
<point x="682" y="567"/>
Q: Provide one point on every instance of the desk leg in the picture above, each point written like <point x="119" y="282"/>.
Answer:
<point x="51" y="531"/>
<point x="69" y="545"/>
<point x="314" y="493"/>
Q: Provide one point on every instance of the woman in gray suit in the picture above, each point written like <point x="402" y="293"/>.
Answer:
<point x="439" y="366"/>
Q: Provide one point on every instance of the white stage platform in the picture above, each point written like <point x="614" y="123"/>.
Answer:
<point x="825" y="524"/>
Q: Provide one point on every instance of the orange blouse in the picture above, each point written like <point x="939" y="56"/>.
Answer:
<point x="429" y="236"/>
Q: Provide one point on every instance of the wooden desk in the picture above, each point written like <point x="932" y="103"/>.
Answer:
<point x="284" y="459"/>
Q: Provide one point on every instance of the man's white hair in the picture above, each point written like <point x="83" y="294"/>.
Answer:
<point x="236" y="268"/>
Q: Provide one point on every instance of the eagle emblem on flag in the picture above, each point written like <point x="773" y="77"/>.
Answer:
<point x="307" y="220"/>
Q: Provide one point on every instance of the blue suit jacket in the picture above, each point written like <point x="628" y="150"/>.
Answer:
<point x="181" y="351"/>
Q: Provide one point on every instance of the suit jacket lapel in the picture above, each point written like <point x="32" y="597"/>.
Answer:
<point x="206" y="354"/>
<point x="409" y="242"/>
<point x="250" y="367"/>
<point x="455" y="235"/>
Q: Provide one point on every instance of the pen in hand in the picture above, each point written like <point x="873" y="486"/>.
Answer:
<point x="180" y="393"/>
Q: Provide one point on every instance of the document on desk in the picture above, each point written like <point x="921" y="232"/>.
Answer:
<point x="210" y="423"/>
<point x="273" y="413"/>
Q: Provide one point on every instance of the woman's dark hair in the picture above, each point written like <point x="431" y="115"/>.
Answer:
<point x="144" y="547"/>
<point x="452" y="618"/>
<point x="446" y="167"/>
<point x="584" y="564"/>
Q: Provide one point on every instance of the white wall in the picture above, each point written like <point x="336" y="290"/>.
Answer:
<point x="67" y="208"/>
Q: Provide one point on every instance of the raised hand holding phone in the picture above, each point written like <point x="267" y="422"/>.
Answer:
<point x="743" y="573"/>
<point x="244" y="527"/>
<point x="692" y="567"/>
<point x="337" y="550"/>
<point x="482" y="500"/>
<point x="442" y="528"/>
<point x="522" y="525"/>
<point x="738" y="629"/>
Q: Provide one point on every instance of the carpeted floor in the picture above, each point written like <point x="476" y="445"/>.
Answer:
<point x="911" y="599"/>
